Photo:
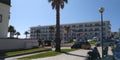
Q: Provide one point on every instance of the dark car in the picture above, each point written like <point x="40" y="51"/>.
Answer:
<point x="82" y="45"/>
<point x="116" y="52"/>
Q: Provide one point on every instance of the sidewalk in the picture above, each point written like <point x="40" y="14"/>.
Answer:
<point x="80" y="54"/>
<point x="109" y="57"/>
<point x="76" y="55"/>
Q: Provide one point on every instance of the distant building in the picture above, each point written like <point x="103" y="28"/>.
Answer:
<point x="4" y="17"/>
<point x="80" y="31"/>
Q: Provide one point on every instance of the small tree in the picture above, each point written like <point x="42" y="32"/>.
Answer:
<point x="51" y="30"/>
<point x="11" y="30"/>
<point x="17" y="33"/>
<point x="26" y="33"/>
<point x="37" y="32"/>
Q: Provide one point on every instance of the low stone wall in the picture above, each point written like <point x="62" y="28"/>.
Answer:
<point x="12" y="44"/>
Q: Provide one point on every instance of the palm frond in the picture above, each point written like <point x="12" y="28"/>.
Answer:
<point x="66" y="1"/>
<point x="62" y="5"/>
<point x="50" y="0"/>
<point x="53" y="5"/>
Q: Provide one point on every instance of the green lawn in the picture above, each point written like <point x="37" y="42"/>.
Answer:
<point x="92" y="42"/>
<point x="11" y="53"/>
<point x="46" y="54"/>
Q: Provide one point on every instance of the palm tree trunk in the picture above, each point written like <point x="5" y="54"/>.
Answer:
<point x="26" y="36"/>
<point x="17" y="36"/>
<point x="57" y="38"/>
<point x="10" y="34"/>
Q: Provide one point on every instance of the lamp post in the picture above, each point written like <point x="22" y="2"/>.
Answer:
<point x="101" y="10"/>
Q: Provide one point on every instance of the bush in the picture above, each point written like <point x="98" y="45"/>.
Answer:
<point x="93" y="42"/>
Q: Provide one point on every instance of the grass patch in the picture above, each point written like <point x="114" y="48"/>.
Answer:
<point x="93" y="42"/>
<point x="46" y="54"/>
<point x="11" y="53"/>
<point x="72" y="42"/>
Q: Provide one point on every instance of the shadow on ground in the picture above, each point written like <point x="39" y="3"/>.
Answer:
<point x="109" y="57"/>
<point x="86" y="57"/>
<point x="75" y="55"/>
<point x="2" y="55"/>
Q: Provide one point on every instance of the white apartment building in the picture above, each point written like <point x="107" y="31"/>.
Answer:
<point x="4" y="17"/>
<point x="80" y="31"/>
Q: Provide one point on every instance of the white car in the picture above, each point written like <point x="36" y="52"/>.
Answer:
<point x="116" y="52"/>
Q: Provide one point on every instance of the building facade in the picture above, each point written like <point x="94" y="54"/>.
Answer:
<point x="4" y="17"/>
<point x="80" y="31"/>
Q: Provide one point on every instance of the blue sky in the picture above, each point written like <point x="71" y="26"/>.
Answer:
<point x="28" y="13"/>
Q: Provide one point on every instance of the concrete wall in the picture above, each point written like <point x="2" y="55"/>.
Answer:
<point x="5" y="13"/>
<point x="11" y="44"/>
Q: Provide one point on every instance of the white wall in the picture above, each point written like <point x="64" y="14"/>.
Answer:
<point x="5" y="12"/>
<point x="8" y="44"/>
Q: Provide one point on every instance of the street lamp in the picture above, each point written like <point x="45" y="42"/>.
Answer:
<point x="101" y="10"/>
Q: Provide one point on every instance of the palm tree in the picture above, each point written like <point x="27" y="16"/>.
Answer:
<point x="17" y="33"/>
<point x="26" y="33"/>
<point x="51" y="30"/>
<point x="11" y="30"/>
<point x="37" y="32"/>
<point x="14" y="32"/>
<point x="57" y="4"/>
<point x="67" y="28"/>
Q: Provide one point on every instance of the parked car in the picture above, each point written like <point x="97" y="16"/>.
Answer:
<point x="82" y="45"/>
<point x="116" y="52"/>
<point x="106" y="42"/>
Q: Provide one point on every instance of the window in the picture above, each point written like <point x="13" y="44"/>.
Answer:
<point x="0" y="18"/>
<point x="80" y="26"/>
<point x="73" y="26"/>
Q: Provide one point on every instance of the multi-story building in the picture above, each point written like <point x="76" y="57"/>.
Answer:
<point x="4" y="17"/>
<point x="85" y="30"/>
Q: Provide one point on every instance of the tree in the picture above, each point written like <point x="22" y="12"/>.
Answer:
<point x="11" y="30"/>
<point x="37" y="32"/>
<point x="51" y="30"/>
<point x="14" y="32"/>
<point x="57" y="4"/>
<point x="26" y="33"/>
<point x="17" y="33"/>
<point x="67" y="28"/>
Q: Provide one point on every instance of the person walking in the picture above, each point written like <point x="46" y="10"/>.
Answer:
<point x="96" y="53"/>
<point x="105" y="50"/>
